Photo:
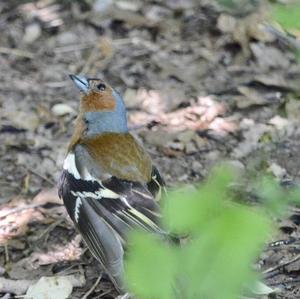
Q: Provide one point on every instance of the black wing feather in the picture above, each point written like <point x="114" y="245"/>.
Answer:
<point x="157" y="185"/>
<point x="104" y="211"/>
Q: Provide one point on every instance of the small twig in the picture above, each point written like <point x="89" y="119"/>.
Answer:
<point x="104" y="293"/>
<point x="41" y="176"/>
<point x="71" y="48"/>
<point x="47" y="231"/>
<point x="6" y="253"/>
<point x="283" y="37"/>
<point x="274" y="270"/>
<point x="92" y="288"/>
<point x="292" y="281"/>
<point x="69" y="270"/>
<point x="16" y="52"/>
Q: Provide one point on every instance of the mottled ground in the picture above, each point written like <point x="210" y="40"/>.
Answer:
<point x="200" y="85"/>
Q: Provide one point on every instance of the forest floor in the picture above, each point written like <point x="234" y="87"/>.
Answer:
<point x="201" y="86"/>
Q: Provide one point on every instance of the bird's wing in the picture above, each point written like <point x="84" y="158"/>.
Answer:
<point x="103" y="241"/>
<point x="156" y="185"/>
<point x="121" y="203"/>
<point x="109" y="186"/>
<point x="133" y="203"/>
<point x="105" y="210"/>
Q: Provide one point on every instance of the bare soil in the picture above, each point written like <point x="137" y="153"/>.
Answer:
<point x="201" y="86"/>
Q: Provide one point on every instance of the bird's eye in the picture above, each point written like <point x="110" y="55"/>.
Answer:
<point x="101" y="86"/>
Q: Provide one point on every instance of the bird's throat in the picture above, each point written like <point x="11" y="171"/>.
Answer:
<point x="104" y="122"/>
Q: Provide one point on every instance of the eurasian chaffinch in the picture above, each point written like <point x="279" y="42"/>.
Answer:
<point x="108" y="184"/>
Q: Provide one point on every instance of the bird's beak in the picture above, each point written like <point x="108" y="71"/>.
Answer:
<point x="81" y="82"/>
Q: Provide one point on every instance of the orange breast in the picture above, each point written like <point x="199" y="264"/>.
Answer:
<point x="120" y="155"/>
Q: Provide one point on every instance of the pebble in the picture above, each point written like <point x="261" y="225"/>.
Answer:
<point x="66" y="38"/>
<point x="62" y="109"/>
<point x="32" y="33"/>
<point x="197" y="166"/>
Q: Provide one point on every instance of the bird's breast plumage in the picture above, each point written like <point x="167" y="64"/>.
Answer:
<point x="119" y="155"/>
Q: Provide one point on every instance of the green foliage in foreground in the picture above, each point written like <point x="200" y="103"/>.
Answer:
<point x="224" y="239"/>
<point x="288" y="16"/>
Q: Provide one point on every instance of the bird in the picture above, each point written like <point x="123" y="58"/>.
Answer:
<point x="108" y="184"/>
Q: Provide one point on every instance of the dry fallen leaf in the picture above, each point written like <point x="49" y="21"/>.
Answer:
<point x="262" y="289"/>
<point x="56" y="287"/>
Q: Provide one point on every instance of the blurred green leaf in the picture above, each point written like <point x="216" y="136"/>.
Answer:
<point x="150" y="267"/>
<point x="288" y="16"/>
<point x="221" y="257"/>
<point x="181" y="215"/>
<point x="298" y="55"/>
<point x="191" y="210"/>
<point x="215" y="260"/>
<point x="274" y="198"/>
<point x="294" y="196"/>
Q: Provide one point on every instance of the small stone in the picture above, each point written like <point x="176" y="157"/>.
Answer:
<point x="292" y="108"/>
<point x="277" y="170"/>
<point x="190" y="148"/>
<point x="213" y="156"/>
<point x="2" y="270"/>
<point x="185" y="136"/>
<point x="130" y="98"/>
<point x="159" y="137"/>
<point x="62" y="109"/>
<point x="279" y="122"/>
<point x="32" y="32"/>
<point x="129" y="5"/>
<point x="67" y="38"/>
<point x="176" y="146"/>
<point x="269" y="57"/>
<point x="226" y="23"/>
<point x="200" y="142"/>
<point x="197" y="166"/>
<point x="59" y="287"/>
<point x="102" y="5"/>
<point x="183" y="178"/>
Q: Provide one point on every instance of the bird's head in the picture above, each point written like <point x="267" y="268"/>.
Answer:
<point x="101" y="107"/>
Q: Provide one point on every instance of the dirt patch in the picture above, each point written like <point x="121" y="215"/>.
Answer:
<point x="200" y="86"/>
